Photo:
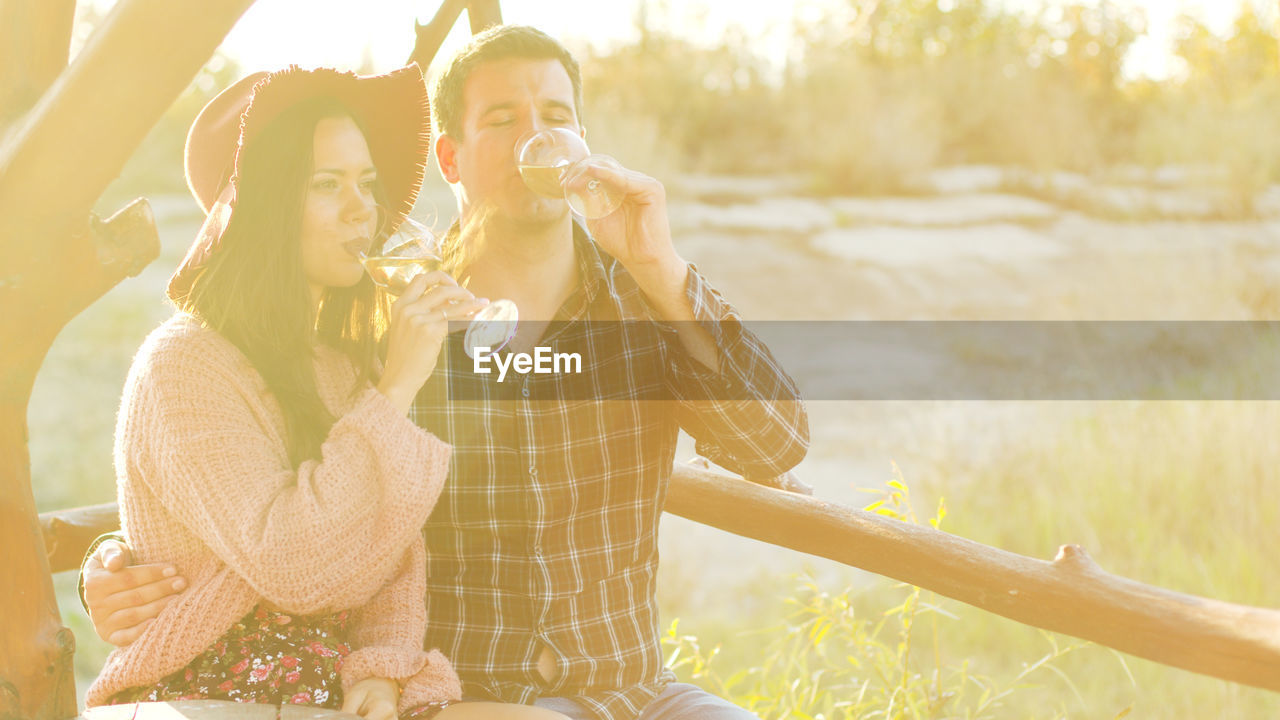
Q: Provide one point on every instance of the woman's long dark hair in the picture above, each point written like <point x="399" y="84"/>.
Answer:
<point x="253" y="291"/>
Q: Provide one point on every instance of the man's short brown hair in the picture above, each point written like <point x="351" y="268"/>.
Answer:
<point x="502" y="42"/>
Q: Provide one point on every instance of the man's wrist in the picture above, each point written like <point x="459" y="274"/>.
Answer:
<point x="665" y="288"/>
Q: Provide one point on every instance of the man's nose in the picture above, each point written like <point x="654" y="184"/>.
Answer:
<point x="535" y="121"/>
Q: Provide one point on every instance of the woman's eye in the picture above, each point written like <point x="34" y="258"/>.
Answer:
<point x="325" y="185"/>
<point x="367" y="185"/>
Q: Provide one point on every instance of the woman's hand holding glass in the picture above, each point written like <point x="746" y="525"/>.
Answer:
<point x="413" y="250"/>
<point x="419" y="323"/>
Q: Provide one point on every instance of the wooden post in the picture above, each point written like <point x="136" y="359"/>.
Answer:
<point x="483" y="14"/>
<point x="431" y="36"/>
<point x="58" y="154"/>
<point x="35" y="38"/>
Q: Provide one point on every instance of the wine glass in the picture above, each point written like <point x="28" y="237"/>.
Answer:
<point x="412" y="250"/>
<point x="556" y="163"/>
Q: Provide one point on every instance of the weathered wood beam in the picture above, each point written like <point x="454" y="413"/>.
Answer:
<point x="483" y="14"/>
<point x="68" y="533"/>
<point x="480" y="13"/>
<point x="1069" y="595"/>
<point x="35" y="39"/>
<point x="55" y="259"/>
<point x="431" y="36"/>
<point x="62" y="153"/>
<point x="37" y="679"/>
<point x="213" y="710"/>
<point x="35" y="649"/>
<point x="79" y="135"/>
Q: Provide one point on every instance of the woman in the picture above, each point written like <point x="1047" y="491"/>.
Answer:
<point x="261" y="446"/>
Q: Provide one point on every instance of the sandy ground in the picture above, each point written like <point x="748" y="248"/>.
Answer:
<point x="969" y="253"/>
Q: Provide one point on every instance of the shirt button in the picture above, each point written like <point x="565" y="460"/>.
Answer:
<point x="524" y="391"/>
<point x="537" y="550"/>
<point x="533" y="471"/>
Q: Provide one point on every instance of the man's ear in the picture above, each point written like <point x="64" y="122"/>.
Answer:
<point x="447" y="158"/>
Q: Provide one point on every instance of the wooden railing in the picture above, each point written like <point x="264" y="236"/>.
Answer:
<point x="1069" y="594"/>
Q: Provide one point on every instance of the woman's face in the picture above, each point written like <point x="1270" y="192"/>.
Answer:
<point x="339" y="215"/>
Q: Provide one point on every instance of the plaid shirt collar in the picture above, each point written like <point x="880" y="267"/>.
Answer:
<point x="591" y="268"/>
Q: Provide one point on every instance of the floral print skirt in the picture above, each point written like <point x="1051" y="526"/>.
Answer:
<point x="266" y="657"/>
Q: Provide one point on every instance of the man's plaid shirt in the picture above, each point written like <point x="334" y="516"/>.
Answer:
<point x="547" y="529"/>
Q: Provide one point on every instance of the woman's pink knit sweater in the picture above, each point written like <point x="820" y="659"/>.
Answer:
<point x="204" y="482"/>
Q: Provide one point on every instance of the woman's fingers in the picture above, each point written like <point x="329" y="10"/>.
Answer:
<point x="465" y="309"/>
<point x="437" y="298"/>
<point x="422" y="286"/>
<point x="412" y="291"/>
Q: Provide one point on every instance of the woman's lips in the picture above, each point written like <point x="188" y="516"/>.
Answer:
<point x="358" y="247"/>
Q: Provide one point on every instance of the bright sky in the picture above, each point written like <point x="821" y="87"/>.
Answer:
<point x="274" y="33"/>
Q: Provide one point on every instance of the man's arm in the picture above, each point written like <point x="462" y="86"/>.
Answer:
<point x="638" y="235"/>
<point x="123" y="599"/>
<point x="747" y="414"/>
<point x="735" y="399"/>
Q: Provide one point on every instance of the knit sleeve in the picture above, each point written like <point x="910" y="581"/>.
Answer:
<point x="386" y="634"/>
<point x="325" y="536"/>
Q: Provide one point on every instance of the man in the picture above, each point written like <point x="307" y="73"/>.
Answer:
<point x="542" y="551"/>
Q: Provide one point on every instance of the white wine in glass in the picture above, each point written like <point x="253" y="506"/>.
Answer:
<point x="544" y="179"/>
<point x="394" y="270"/>
<point x="412" y="251"/>
<point x="556" y="163"/>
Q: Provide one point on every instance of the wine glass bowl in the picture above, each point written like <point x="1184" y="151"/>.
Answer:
<point x="588" y="195"/>
<point x="407" y="253"/>
<point x="556" y="163"/>
<point x="412" y="250"/>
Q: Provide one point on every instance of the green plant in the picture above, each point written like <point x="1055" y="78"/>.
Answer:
<point x="843" y="655"/>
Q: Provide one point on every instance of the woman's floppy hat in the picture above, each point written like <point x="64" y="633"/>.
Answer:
<point x="393" y="110"/>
